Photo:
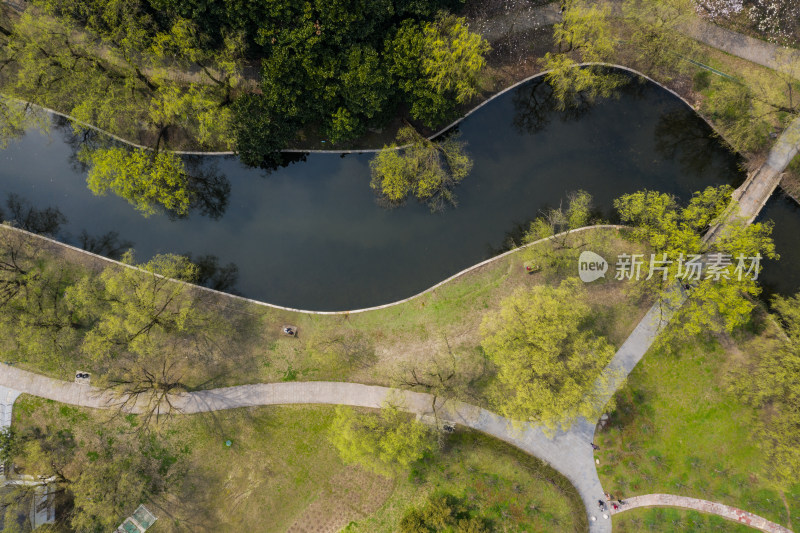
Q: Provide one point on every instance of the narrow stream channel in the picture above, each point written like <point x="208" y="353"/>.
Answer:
<point x="312" y="236"/>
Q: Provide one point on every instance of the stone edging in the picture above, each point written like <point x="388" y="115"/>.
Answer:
<point x="704" y="506"/>
<point x="306" y="311"/>
<point x="370" y="150"/>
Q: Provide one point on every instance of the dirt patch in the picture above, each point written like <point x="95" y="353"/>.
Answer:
<point x="351" y="494"/>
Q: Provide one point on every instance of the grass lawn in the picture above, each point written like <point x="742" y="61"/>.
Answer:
<point x="282" y="474"/>
<point x="679" y="430"/>
<point x="671" y="520"/>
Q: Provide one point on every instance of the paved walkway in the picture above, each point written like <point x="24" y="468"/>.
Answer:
<point x="568" y="452"/>
<point x="704" y="506"/>
<point x="7" y="399"/>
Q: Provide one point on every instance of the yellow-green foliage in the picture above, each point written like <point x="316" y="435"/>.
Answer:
<point x="428" y="170"/>
<point x="146" y="179"/>
<point x="585" y="30"/>
<point x="732" y="106"/>
<point x="387" y="444"/>
<point x="774" y="384"/>
<point x="675" y="235"/>
<point x="453" y="57"/>
<point x="548" y="359"/>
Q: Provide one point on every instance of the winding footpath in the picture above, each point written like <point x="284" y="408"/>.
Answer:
<point x="704" y="506"/>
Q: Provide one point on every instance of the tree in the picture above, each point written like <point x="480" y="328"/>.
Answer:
<point x="9" y="445"/>
<point x="442" y="512"/>
<point x="556" y="225"/>
<point x="447" y="374"/>
<point x="453" y="57"/>
<point x="15" y="118"/>
<point x="429" y="170"/>
<point x="657" y="40"/>
<point x="779" y="20"/>
<point x="715" y="303"/>
<point x="145" y="179"/>
<point x="549" y="361"/>
<point x="437" y="64"/>
<point x="100" y="467"/>
<point x="388" y="443"/>
<point x="732" y="106"/>
<point x="149" y="336"/>
<point x="584" y="33"/>
<point x="37" y="324"/>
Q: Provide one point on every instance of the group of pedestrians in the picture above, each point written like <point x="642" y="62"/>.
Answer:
<point x="610" y="501"/>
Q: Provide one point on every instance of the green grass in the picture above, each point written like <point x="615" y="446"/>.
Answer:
<point x="281" y="470"/>
<point x="679" y="430"/>
<point x="513" y="490"/>
<point x="670" y="520"/>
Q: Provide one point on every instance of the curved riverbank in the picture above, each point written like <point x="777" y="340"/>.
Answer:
<point x="433" y="136"/>
<point x="306" y="311"/>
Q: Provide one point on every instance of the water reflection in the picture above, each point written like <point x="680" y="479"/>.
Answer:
<point x="684" y="138"/>
<point x="23" y="214"/>
<point x="108" y="244"/>
<point x="213" y="275"/>
<point x="208" y="188"/>
<point x="782" y="276"/>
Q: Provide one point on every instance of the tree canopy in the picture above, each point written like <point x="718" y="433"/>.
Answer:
<point x="387" y="443"/>
<point x="715" y="303"/>
<point x="146" y="179"/>
<point x="583" y="36"/>
<point x="549" y="361"/>
<point x="426" y="169"/>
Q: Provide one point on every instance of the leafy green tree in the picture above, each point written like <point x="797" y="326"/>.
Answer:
<point x="388" y="443"/>
<point x="100" y="467"/>
<point x="429" y="170"/>
<point x="149" y="336"/>
<point x="437" y="65"/>
<point x="453" y="57"/>
<point x="36" y="324"/>
<point x="675" y="236"/>
<point x="9" y="444"/>
<point x="732" y="106"/>
<point x="657" y="40"/>
<point x="584" y="35"/>
<point x="561" y="249"/>
<point x="442" y="512"/>
<point x="145" y="179"/>
<point x="549" y="361"/>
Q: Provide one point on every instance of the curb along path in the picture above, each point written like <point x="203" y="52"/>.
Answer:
<point x="704" y="506"/>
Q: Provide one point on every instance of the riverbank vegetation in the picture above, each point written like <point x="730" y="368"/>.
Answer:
<point x="224" y="75"/>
